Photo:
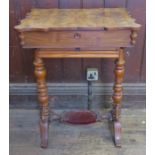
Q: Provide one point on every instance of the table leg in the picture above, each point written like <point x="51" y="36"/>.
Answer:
<point x="40" y="74"/>
<point x="117" y="97"/>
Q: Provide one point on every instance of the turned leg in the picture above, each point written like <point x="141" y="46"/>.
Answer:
<point x="40" y="74"/>
<point x="117" y="97"/>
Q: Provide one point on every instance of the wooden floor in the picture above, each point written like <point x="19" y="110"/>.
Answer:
<point x="94" y="139"/>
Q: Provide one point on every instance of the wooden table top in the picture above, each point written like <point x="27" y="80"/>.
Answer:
<point x="77" y="19"/>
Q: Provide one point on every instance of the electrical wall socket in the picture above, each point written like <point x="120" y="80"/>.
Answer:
<point x="92" y="74"/>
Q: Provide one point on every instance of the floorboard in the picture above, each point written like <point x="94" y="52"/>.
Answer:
<point x="92" y="139"/>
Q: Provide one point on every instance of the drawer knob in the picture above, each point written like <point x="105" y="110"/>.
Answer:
<point x="77" y="35"/>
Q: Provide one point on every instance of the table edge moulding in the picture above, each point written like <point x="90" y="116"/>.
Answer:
<point x="78" y="33"/>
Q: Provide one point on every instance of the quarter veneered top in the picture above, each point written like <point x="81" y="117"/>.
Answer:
<point x="77" y="19"/>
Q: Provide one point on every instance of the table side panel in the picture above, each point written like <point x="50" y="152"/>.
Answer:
<point x="76" y="39"/>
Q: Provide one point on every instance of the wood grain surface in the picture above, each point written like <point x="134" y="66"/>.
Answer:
<point x="82" y="40"/>
<point x="45" y="19"/>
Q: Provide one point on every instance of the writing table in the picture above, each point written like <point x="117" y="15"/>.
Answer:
<point x="78" y="33"/>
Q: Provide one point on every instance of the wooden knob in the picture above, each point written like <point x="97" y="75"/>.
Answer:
<point x="77" y="35"/>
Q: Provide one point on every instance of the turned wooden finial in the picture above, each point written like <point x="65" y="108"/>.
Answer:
<point x="21" y="36"/>
<point x="133" y="36"/>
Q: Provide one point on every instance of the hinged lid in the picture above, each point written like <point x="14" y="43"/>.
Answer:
<point x="77" y="19"/>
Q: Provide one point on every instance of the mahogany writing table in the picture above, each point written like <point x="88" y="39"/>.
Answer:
<point x="78" y="33"/>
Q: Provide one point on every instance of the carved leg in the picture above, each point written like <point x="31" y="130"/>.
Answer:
<point x="40" y="74"/>
<point x="117" y="97"/>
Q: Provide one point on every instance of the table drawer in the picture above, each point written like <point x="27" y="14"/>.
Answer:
<point x="76" y="39"/>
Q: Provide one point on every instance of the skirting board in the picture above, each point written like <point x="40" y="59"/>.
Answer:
<point x="74" y="95"/>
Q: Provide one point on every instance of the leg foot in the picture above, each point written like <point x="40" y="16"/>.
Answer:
<point x="117" y="133"/>
<point x="115" y="128"/>
<point x="44" y="126"/>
